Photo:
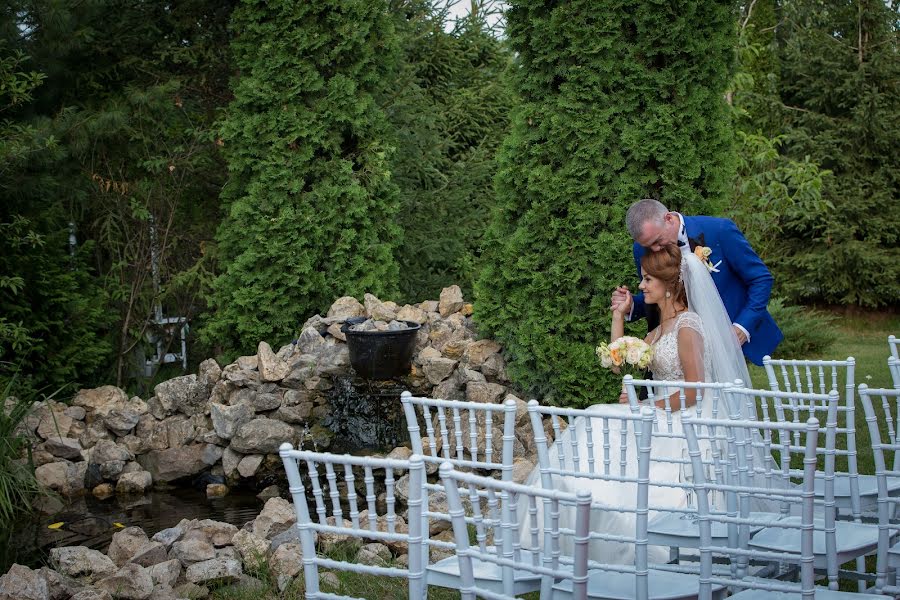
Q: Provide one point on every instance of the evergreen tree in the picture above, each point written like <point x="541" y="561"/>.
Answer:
<point x="310" y="205"/>
<point x="841" y="95"/>
<point x="619" y="101"/>
<point x="449" y="117"/>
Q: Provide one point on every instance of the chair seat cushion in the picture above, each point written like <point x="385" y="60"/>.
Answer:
<point x="821" y="594"/>
<point x="445" y="573"/>
<point x="662" y="585"/>
<point x="851" y="538"/>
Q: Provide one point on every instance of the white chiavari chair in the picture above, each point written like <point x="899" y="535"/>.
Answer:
<point x="320" y="506"/>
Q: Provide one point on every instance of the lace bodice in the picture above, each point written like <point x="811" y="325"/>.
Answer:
<point x="665" y="364"/>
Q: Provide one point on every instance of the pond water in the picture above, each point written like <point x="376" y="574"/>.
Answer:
<point x="365" y="417"/>
<point x="88" y="521"/>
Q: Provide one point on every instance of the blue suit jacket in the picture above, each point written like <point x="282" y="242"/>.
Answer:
<point x="743" y="281"/>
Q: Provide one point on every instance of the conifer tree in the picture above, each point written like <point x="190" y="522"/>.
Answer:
<point x="310" y="203"/>
<point x="619" y="101"/>
<point x="841" y="95"/>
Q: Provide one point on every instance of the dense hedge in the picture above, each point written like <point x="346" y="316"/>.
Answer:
<point x="310" y="203"/>
<point x="618" y="101"/>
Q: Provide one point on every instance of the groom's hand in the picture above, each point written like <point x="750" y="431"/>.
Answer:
<point x="741" y="336"/>
<point x="621" y="300"/>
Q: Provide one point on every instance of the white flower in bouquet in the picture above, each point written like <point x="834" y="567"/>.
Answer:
<point x="629" y="353"/>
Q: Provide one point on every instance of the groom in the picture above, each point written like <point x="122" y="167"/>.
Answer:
<point x="743" y="281"/>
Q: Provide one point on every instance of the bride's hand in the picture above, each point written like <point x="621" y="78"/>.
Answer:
<point x="623" y="397"/>
<point x="621" y="301"/>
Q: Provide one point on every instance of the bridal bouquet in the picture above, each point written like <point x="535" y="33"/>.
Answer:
<point x="627" y="353"/>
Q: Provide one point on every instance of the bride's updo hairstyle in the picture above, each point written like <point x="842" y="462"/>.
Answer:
<point x="665" y="265"/>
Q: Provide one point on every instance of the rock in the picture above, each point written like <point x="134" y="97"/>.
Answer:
<point x="227" y="419"/>
<point x="327" y="542"/>
<point x="277" y="515"/>
<point x="92" y="594"/>
<point x="77" y="561"/>
<point x="449" y="389"/>
<point x="302" y="367"/>
<point x="286" y="536"/>
<point x="522" y="468"/>
<point x="180" y="430"/>
<point x="486" y="393"/>
<point x="153" y="432"/>
<point x="193" y="551"/>
<point x="53" y="475"/>
<point x="215" y="532"/>
<point x="59" y="587"/>
<point x="125" y="544"/>
<point x="400" y="526"/>
<point x="346" y="307"/>
<point x="451" y="301"/>
<point x="468" y="309"/>
<point x="151" y="553"/>
<point x="251" y="547"/>
<point x="168" y="536"/>
<point x="63" y="448"/>
<point x="165" y="573"/>
<point x="247" y="363"/>
<point x="294" y="414"/>
<point x="134" y="444"/>
<point x="438" y="369"/>
<point x="411" y="313"/>
<point x="76" y="412"/>
<point x="470" y="375"/>
<point x="427" y="354"/>
<point x="93" y="433"/>
<point x="249" y="465"/>
<point x="216" y="570"/>
<point x="373" y="554"/>
<point x="329" y="580"/>
<point x="334" y="330"/>
<point x="54" y="422"/>
<point x="134" y="483"/>
<point x="377" y="310"/>
<point x="104" y="491"/>
<point x="287" y="560"/>
<point x="98" y="402"/>
<point x="230" y="461"/>
<point x="494" y="367"/>
<point x="121" y="420"/>
<point x="333" y="360"/>
<point x="266" y="401"/>
<point x="272" y="491"/>
<point x="131" y="582"/>
<point x="107" y="450"/>
<point x="21" y="583"/>
<point x="271" y="368"/>
<point x="174" y="463"/>
<point x="478" y="352"/>
<point x="262" y="435"/>
<point x="208" y="373"/>
<point x="456" y="348"/>
<point x="112" y="469"/>
<point x="183" y="394"/>
<point x="310" y="341"/>
<point x="216" y="490"/>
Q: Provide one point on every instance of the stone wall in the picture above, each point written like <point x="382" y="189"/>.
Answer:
<point x="227" y="422"/>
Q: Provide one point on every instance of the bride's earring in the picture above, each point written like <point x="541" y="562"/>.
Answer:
<point x="668" y="294"/>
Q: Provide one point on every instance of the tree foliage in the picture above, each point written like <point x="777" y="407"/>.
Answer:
<point x="841" y="95"/>
<point x="616" y="102"/>
<point x="310" y="205"/>
<point x="449" y="116"/>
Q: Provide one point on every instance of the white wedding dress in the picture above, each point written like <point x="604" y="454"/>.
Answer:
<point x="664" y="366"/>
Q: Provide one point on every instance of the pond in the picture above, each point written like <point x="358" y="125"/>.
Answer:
<point x="90" y="522"/>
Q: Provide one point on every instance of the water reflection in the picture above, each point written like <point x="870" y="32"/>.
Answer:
<point x="91" y="522"/>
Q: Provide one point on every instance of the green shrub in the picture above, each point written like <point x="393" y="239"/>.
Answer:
<point x="807" y="332"/>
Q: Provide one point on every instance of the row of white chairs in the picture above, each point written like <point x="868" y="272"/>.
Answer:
<point x="462" y="435"/>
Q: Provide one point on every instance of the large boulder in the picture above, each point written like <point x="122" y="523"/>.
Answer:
<point x="136" y="482"/>
<point x="346" y="307"/>
<point x="271" y="367"/>
<point x="184" y="394"/>
<point x="276" y="517"/>
<point x="193" y="551"/>
<point x="165" y="573"/>
<point x="63" y="448"/>
<point x="262" y="435"/>
<point x="215" y="532"/>
<point x="175" y="463"/>
<point x="451" y="301"/>
<point x="21" y="583"/>
<point x="125" y="544"/>
<point x="78" y="561"/>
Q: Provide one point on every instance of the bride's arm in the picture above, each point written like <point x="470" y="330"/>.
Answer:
<point x="690" y="353"/>
<point x="618" y="320"/>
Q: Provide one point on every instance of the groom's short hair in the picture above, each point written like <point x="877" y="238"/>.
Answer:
<point x="644" y="211"/>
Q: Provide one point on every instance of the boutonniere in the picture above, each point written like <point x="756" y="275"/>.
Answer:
<point x="703" y="253"/>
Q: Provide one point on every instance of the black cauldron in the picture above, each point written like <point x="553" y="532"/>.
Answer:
<point x="380" y="354"/>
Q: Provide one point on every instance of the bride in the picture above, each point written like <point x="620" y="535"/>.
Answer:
<point x="694" y="342"/>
